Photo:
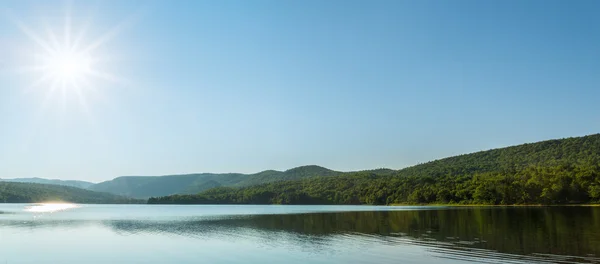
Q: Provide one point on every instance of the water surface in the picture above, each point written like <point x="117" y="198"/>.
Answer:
<point x="297" y="234"/>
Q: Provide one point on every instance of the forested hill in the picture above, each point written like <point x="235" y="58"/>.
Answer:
<point x="17" y="192"/>
<point x="72" y="183"/>
<point x="548" y="172"/>
<point x="578" y="150"/>
<point x="148" y="186"/>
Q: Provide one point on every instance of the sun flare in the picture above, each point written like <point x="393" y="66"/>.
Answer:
<point x="65" y="58"/>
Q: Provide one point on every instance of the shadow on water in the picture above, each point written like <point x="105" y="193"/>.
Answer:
<point x="538" y="234"/>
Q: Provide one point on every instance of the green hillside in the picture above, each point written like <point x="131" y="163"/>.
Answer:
<point x="72" y="183"/>
<point x="549" y="172"/>
<point x="16" y="192"/>
<point x="148" y="186"/>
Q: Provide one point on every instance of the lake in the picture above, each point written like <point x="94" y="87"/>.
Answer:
<point x="297" y="234"/>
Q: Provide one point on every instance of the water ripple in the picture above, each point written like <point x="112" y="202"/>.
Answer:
<point x="421" y="236"/>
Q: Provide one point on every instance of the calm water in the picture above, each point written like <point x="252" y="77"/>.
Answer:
<point x="297" y="234"/>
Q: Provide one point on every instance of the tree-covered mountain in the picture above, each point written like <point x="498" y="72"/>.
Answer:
<point x="18" y="192"/>
<point x="72" y="183"/>
<point x="148" y="186"/>
<point x="548" y="172"/>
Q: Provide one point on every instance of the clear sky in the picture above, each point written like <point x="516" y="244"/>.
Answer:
<point x="244" y="86"/>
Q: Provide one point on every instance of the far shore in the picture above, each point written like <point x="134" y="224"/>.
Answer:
<point x="496" y="205"/>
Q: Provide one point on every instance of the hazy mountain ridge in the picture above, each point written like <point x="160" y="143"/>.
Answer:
<point x="149" y="186"/>
<point x="72" y="183"/>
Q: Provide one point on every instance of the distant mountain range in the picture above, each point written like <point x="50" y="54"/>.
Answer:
<point x="143" y="187"/>
<point x="547" y="172"/>
<point x="149" y="186"/>
<point x="78" y="184"/>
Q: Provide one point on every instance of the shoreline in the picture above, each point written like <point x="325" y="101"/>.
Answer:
<point x="500" y="205"/>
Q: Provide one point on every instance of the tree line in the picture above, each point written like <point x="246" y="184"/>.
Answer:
<point x="533" y="185"/>
<point x="550" y="172"/>
<point x="17" y="192"/>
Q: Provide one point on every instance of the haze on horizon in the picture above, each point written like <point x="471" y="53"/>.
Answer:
<point x="96" y="91"/>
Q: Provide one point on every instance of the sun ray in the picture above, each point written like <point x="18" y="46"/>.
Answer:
<point x="82" y="33"/>
<point x="113" y="32"/>
<point x="96" y="93"/>
<point x="67" y="33"/>
<point x="28" y="69"/>
<point x="49" y="93"/>
<point x="52" y="37"/>
<point x="29" y="33"/>
<point x="44" y="78"/>
<point x="86" y="83"/>
<point x="81" y="98"/>
<point x="33" y="36"/>
<point x="107" y="77"/>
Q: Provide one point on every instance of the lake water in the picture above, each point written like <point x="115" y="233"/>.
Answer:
<point x="297" y="234"/>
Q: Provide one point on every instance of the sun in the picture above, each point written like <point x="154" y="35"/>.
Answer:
<point x="64" y="60"/>
<point x="67" y="66"/>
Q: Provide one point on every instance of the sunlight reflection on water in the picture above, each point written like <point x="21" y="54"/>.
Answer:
<point x="50" y="207"/>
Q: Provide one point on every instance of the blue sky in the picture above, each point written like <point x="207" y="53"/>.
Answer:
<point x="244" y="86"/>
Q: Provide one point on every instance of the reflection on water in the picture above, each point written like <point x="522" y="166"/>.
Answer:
<point x="539" y="233"/>
<point x="49" y="207"/>
<point x="492" y="235"/>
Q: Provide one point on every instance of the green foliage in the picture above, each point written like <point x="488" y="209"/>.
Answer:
<point x="14" y="192"/>
<point x="549" y="172"/>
